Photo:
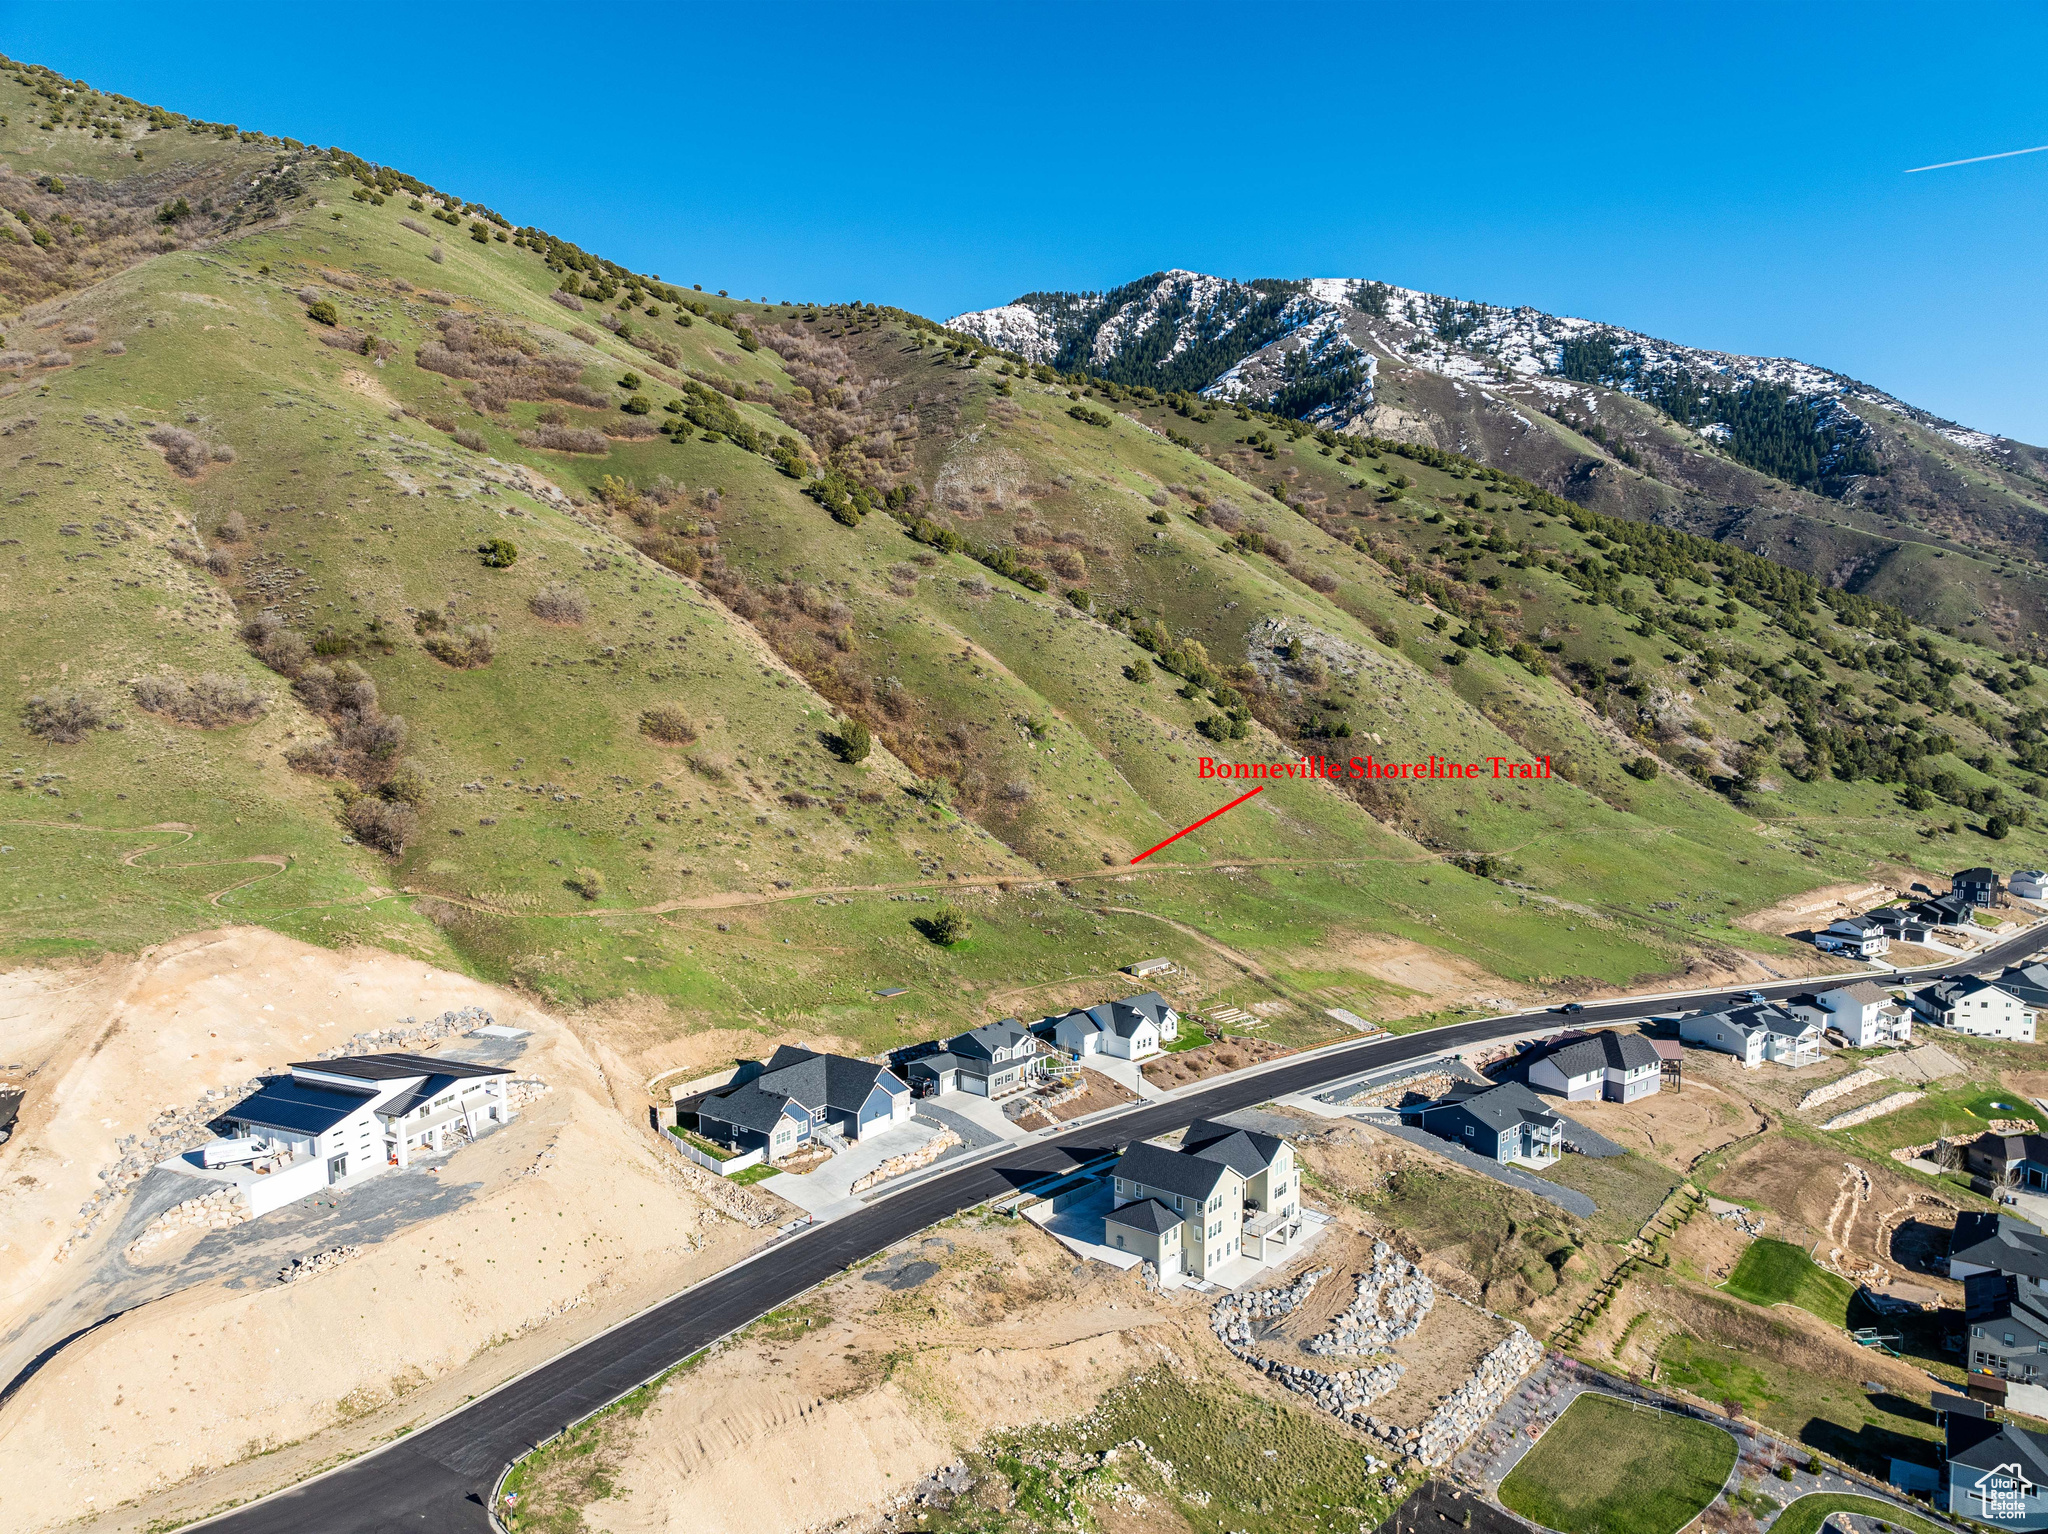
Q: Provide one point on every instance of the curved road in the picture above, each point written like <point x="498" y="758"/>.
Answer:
<point x="439" y="1477"/>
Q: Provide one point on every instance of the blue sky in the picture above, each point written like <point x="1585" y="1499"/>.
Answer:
<point x="1726" y="175"/>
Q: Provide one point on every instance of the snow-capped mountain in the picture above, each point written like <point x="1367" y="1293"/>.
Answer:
<point x="1314" y="348"/>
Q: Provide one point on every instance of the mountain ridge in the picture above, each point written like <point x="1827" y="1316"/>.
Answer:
<point x="1728" y="444"/>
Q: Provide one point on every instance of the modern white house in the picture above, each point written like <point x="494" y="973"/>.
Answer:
<point x="1132" y="1029"/>
<point x="1226" y="1193"/>
<point x="1859" y="937"/>
<point x="1754" y="1034"/>
<point x="1620" y="1067"/>
<point x="1866" y="1015"/>
<point x="1981" y="1008"/>
<point x="2028" y="884"/>
<point x="356" y="1117"/>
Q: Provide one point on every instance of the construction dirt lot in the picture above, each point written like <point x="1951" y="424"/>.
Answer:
<point x="475" y="1265"/>
<point x="948" y="1344"/>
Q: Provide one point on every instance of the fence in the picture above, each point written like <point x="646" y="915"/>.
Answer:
<point x="711" y="1163"/>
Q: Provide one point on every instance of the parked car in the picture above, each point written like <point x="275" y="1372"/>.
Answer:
<point x="1570" y="1007"/>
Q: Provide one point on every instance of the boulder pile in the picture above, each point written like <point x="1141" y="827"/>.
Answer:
<point x="1467" y="1408"/>
<point x="1344" y="1394"/>
<point x="222" y="1209"/>
<point x="1393" y="1297"/>
<point x="319" y="1262"/>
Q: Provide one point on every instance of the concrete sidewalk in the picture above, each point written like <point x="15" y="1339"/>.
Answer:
<point x="1124" y="1073"/>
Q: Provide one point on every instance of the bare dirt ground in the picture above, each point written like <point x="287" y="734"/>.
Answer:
<point x="1816" y="907"/>
<point x="1675" y="1128"/>
<point x="1862" y="1218"/>
<point x="1231" y="1053"/>
<point x="1102" y="1093"/>
<point x="565" y="1220"/>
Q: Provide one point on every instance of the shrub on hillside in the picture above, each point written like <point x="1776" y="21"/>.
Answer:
<point x="566" y="439"/>
<point x="567" y="300"/>
<point x="498" y="553"/>
<point x="588" y="883"/>
<point x="65" y="717"/>
<point x="559" y="603"/>
<point x="212" y="702"/>
<point x="667" y="723"/>
<point x="473" y="440"/>
<point x="232" y="529"/>
<point x="382" y="824"/>
<point x="323" y="313"/>
<point x="183" y="451"/>
<point x="284" y="650"/>
<point x="853" y="742"/>
<point x="945" y="927"/>
<point x="466" y="649"/>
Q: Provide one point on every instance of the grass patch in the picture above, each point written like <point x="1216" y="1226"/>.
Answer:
<point x="1714" y="1375"/>
<point x="1806" y="1515"/>
<point x="1779" y="1273"/>
<point x="1606" y="1467"/>
<point x="753" y="1174"/>
<point x="710" y="1148"/>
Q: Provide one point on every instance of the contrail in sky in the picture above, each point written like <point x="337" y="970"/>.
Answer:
<point x="1977" y="159"/>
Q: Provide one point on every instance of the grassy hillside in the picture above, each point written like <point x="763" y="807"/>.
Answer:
<point x="264" y="459"/>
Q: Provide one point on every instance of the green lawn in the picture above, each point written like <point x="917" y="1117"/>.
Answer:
<point x="1606" y="1467"/>
<point x="1806" y="1515"/>
<point x="1777" y="1272"/>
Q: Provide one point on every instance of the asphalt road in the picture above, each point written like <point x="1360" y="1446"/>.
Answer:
<point x="439" y="1477"/>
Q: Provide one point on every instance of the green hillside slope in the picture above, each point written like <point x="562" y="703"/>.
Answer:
<point x="383" y="572"/>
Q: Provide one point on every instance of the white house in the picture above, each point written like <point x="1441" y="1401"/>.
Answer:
<point x="1859" y="937"/>
<point x="1981" y="1008"/>
<point x="365" y="1114"/>
<point x="1131" y="1029"/>
<point x="1620" y="1067"/>
<point x="2028" y="884"/>
<point x="1866" y="1015"/>
<point x="1754" y="1034"/>
<point x="1226" y="1193"/>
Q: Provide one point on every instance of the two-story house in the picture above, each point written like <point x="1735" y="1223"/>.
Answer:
<point x="365" y="1114"/>
<point x="1755" y="1033"/>
<point x="993" y="1060"/>
<point x="1859" y="937"/>
<point x="1272" y="1186"/>
<point x="1981" y="1008"/>
<point x="1979" y="886"/>
<point x="2009" y="1161"/>
<point x="2028" y="884"/>
<point x="1994" y="1473"/>
<point x="1506" y="1123"/>
<point x="786" y="1103"/>
<point x="1132" y="1029"/>
<point x="1866" y="1015"/>
<point x="1183" y="1213"/>
<point x="1611" y="1064"/>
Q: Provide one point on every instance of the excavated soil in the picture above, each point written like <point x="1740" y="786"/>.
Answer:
<point x="565" y="1220"/>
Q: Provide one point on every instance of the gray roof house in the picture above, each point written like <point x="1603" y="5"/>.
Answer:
<point x="1618" y="1066"/>
<point x="1982" y="1008"/>
<point x="1754" y="1034"/>
<point x="797" y="1095"/>
<point x="1506" y="1123"/>
<point x="990" y="1061"/>
<point x="1865" y="1014"/>
<point x="1994" y="1472"/>
<point x="1225" y="1194"/>
<point x="1985" y="1242"/>
<point x="2011" y="1161"/>
<point x="1131" y="1029"/>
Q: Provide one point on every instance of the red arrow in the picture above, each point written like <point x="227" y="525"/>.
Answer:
<point x="1240" y="799"/>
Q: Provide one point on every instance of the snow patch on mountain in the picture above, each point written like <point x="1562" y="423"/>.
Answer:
<point x="1012" y="328"/>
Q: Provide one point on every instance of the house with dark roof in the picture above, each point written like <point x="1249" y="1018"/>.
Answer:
<point x="1866" y="1015"/>
<point x="1860" y="937"/>
<point x="1900" y="923"/>
<point x="993" y="1060"/>
<point x="1950" y="910"/>
<point x="2009" y="1161"/>
<point x="1994" y="1472"/>
<point x="1505" y="1123"/>
<point x="1985" y="1242"/>
<point x="798" y="1096"/>
<point x="1132" y="1029"/>
<point x="1984" y="1009"/>
<point x="1611" y="1064"/>
<point x="1755" y="1033"/>
<point x="366" y="1114"/>
<point x="1272" y="1186"/>
<point x="1979" y="886"/>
